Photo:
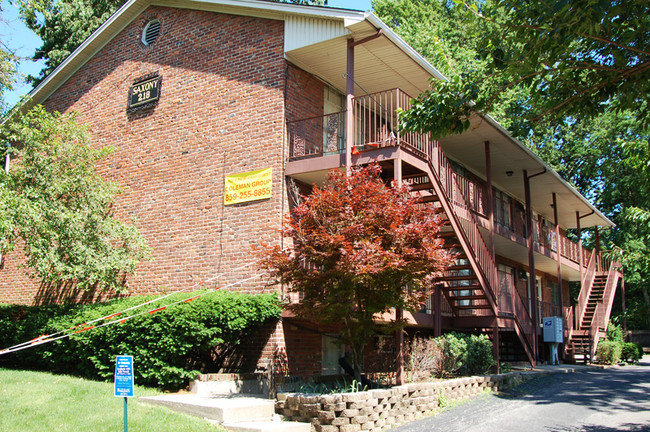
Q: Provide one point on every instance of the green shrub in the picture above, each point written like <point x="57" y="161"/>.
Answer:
<point x="614" y="332"/>
<point x="169" y="347"/>
<point x="479" y="355"/>
<point x="631" y="352"/>
<point x="448" y="355"/>
<point x="455" y="353"/>
<point x="609" y="352"/>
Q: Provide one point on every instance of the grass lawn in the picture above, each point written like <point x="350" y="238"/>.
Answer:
<point x="38" y="401"/>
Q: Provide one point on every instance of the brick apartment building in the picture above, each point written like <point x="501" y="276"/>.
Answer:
<point x="236" y="86"/>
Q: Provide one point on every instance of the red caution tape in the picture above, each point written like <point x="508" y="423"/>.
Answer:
<point x="151" y="312"/>
<point x="113" y="316"/>
<point x="190" y="299"/>
<point x="84" y="329"/>
<point x="123" y="320"/>
<point x="37" y="338"/>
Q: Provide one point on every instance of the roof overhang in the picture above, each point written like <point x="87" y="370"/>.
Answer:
<point x="380" y="64"/>
<point x="509" y="159"/>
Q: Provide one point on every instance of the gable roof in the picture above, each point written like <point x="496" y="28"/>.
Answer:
<point x="316" y="40"/>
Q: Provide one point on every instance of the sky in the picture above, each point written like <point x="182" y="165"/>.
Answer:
<point x="19" y="38"/>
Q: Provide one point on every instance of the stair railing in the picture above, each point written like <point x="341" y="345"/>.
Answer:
<point x="613" y="276"/>
<point x="568" y="324"/>
<point x="441" y="168"/>
<point x="585" y="290"/>
<point x="594" y="329"/>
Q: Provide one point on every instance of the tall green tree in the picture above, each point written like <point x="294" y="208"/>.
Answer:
<point x="8" y="66"/>
<point x="55" y="203"/>
<point x="513" y="59"/>
<point x="577" y="59"/>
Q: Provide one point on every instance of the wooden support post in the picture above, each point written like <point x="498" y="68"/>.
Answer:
<point x="349" y="106"/>
<point x="490" y="198"/>
<point x="437" y="299"/>
<point x="623" y="309"/>
<point x="495" y="346"/>
<point x="599" y="261"/>
<point x="399" y="360"/>
<point x="399" y="313"/>
<point x="580" y="257"/>
<point x="397" y="171"/>
<point x="531" y="258"/>
<point x="558" y="253"/>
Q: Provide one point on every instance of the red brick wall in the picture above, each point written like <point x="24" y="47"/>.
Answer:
<point x="221" y="112"/>
<point x="303" y="344"/>
<point x="305" y="94"/>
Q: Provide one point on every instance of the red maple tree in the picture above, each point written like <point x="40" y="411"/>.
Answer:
<point x="360" y="248"/>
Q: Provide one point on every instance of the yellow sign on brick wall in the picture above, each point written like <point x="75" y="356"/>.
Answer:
<point x="248" y="186"/>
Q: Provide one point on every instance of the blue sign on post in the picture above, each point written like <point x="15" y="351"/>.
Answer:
<point x="124" y="376"/>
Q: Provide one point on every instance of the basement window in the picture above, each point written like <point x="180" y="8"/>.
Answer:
<point x="150" y="32"/>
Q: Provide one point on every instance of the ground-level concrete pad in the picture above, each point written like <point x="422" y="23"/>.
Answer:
<point x="268" y="426"/>
<point x="224" y="409"/>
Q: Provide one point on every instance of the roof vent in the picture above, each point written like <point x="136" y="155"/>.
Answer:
<point x="151" y="32"/>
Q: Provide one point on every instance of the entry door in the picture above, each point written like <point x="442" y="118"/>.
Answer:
<point x="332" y="352"/>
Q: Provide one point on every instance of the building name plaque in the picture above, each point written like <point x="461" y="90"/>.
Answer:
<point x="145" y="91"/>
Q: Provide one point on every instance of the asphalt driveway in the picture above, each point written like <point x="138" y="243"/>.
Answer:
<point x="589" y="400"/>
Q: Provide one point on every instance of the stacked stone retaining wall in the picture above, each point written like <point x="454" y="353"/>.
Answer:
<point x="376" y="410"/>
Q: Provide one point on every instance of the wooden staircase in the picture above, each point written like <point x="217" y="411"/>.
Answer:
<point x="471" y="284"/>
<point x="593" y="311"/>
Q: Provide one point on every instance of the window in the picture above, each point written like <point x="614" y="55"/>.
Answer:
<point x="502" y="204"/>
<point x="151" y="32"/>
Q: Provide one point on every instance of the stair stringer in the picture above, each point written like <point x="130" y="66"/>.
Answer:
<point x="456" y="224"/>
<point x="462" y="238"/>
<point x="427" y="166"/>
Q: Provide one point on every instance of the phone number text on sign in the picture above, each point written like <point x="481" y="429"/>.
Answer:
<point x="248" y="186"/>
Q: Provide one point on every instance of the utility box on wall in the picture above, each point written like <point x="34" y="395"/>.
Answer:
<point x="553" y="331"/>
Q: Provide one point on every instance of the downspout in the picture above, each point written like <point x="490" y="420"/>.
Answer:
<point x="531" y="257"/>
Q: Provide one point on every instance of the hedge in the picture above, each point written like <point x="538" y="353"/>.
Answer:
<point x="169" y="347"/>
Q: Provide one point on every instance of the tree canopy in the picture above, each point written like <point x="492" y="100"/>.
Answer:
<point x="360" y="248"/>
<point x="577" y="59"/>
<point x="8" y="62"/>
<point x="569" y="79"/>
<point x="55" y="203"/>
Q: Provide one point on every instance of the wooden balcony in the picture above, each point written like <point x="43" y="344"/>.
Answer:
<point x="317" y="144"/>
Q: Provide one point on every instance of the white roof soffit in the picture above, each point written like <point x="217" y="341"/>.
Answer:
<point x="509" y="159"/>
<point x="132" y="8"/>
<point x="380" y="64"/>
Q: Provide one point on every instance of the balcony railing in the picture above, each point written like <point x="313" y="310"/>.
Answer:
<point x="317" y="136"/>
<point x="377" y="125"/>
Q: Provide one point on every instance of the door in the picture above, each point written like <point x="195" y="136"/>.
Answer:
<point x="332" y="351"/>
